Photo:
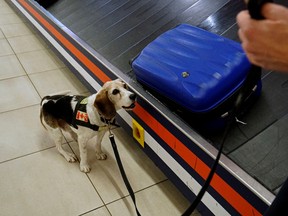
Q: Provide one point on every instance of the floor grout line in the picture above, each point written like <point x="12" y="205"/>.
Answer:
<point x="25" y="155"/>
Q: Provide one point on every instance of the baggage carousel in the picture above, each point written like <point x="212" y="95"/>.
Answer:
<point x="97" y="39"/>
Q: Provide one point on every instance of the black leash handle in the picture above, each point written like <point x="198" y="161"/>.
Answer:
<point x="122" y="171"/>
<point x="254" y="8"/>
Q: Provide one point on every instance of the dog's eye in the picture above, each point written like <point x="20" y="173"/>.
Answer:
<point x="125" y="86"/>
<point x="115" y="91"/>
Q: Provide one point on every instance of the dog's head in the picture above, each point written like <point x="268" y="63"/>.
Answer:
<point x="113" y="96"/>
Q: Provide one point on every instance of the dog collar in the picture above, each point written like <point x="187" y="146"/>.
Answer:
<point x="107" y="121"/>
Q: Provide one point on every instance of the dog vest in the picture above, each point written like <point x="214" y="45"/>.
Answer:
<point x="80" y="115"/>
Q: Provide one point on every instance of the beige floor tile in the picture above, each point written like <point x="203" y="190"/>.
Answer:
<point x="14" y="30"/>
<point x="105" y="175"/>
<point x="17" y="93"/>
<point x="56" y="81"/>
<point x="5" y="9"/>
<point x="3" y="3"/>
<point x="26" y="43"/>
<point x="10" y="67"/>
<point x="5" y="48"/>
<point x="22" y="133"/>
<point x="45" y="184"/>
<point x="159" y="200"/>
<point x="99" y="212"/>
<point x="9" y="18"/>
<point x="39" y="61"/>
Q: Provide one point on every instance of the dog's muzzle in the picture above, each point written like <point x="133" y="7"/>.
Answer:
<point x="133" y="99"/>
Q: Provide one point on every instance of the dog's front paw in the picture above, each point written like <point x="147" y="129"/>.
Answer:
<point x="85" y="168"/>
<point x="101" y="156"/>
<point x="70" y="157"/>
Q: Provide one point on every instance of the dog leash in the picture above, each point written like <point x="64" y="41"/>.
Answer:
<point x="201" y="193"/>
<point x="121" y="168"/>
<point x="254" y="8"/>
<point x="231" y="119"/>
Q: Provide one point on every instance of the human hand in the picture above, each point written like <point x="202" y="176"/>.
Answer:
<point x="266" y="41"/>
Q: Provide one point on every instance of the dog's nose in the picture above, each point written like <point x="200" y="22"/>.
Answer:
<point x="133" y="97"/>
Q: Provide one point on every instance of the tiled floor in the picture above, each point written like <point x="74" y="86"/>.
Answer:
<point x="35" y="179"/>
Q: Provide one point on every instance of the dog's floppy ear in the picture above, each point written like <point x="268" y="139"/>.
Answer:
<point x="104" y="106"/>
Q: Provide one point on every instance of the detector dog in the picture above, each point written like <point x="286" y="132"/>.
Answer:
<point x="84" y="117"/>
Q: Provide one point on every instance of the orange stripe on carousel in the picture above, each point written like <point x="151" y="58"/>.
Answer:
<point x="235" y="200"/>
<point x="88" y="63"/>
<point x="224" y="189"/>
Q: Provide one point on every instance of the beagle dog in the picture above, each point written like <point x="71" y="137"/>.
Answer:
<point x="84" y="117"/>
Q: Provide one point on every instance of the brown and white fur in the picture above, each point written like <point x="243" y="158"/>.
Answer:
<point x="57" y="111"/>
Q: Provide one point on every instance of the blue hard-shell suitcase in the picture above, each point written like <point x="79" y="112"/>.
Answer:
<point x="196" y="70"/>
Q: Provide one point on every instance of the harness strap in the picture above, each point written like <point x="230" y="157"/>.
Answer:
<point x="122" y="171"/>
<point x="80" y="116"/>
<point x="109" y="121"/>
